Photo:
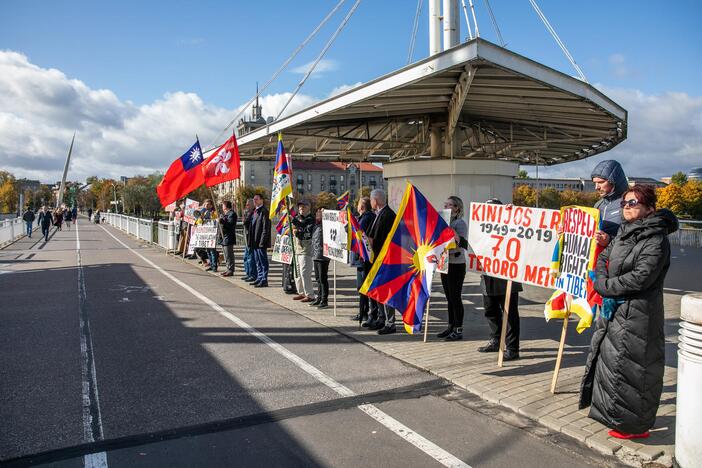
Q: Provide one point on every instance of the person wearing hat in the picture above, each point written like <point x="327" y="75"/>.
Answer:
<point x="303" y="227"/>
<point x="611" y="183"/>
<point x="494" y="294"/>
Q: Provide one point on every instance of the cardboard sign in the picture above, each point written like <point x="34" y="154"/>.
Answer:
<point x="577" y="248"/>
<point x="334" y="235"/>
<point x="189" y="210"/>
<point x="170" y="208"/>
<point x="203" y="236"/>
<point x="282" y="250"/>
<point x="514" y="244"/>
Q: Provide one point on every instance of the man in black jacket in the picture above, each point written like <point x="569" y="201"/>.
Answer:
<point x="28" y="218"/>
<point x="45" y="221"/>
<point x="379" y="230"/>
<point x="260" y="240"/>
<point x="228" y="225"/>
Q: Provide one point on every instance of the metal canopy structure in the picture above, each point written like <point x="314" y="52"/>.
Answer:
<point x="479" y="100"/>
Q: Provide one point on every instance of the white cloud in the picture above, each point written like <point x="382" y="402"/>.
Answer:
<point x="41" y="108"/>
<point x="324" y="65"/>
<point x="619" y="66"/>
<point x="343" y="88"/>
<point x="664" y="136"/>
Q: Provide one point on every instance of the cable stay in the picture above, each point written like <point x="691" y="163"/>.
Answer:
<point x="494" y="23"/>
<point x="415" y="26"/>
<point x="465" y="14"/>
<point x="558" y="40"/>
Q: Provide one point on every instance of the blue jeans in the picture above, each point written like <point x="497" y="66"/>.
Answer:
<point x="213" y="256"/>
<point x="45" y="231"/>
<point x="29" y="228"/>
<point x="261" y="258"/>
<point x="250" y="263"/>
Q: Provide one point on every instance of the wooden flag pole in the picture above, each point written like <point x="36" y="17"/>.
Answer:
<point x="334" y="287"/>
<point x="505" y="319"/>
<point x="554" y="381"/>
<point x="426" y="319"/>
<point x="187" y="241"/>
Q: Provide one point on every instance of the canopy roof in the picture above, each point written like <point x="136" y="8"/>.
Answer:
<point x="489" y="102"/>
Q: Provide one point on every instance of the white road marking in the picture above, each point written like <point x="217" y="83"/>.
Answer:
<point x="88" y="375"/>
<point x="418" y="441"/>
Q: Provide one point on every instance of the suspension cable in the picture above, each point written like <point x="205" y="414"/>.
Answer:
<point x="414" y="31"/>
<point x="558" y="40"/>
<point x="494" y="23"/>
<point x="475" y="20"/>
<point x="281" y="69"/>
<point x="320" y="56"/>
<point x="465" y="13"/>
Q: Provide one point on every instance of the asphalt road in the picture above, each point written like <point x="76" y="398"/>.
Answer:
<point x="112" y="354"/>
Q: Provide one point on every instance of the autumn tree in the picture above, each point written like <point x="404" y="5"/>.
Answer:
<point x="524" y="195"/>
<point x="671" y="197"/>
<point x="244" y="192"/>
<point x="8" y="192"/>
<point x="679" y="178"/>
<point x="326" y="200"/>
<point x="692" y="198"/>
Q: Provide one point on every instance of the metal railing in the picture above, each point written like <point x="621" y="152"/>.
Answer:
<point x="11" y="230"/>
<point x="685" y="237"/>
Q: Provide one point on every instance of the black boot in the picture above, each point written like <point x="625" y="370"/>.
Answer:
<point x="492" y="346"/>
<point x="445" y="333"/>
<point x="455" y="335"/>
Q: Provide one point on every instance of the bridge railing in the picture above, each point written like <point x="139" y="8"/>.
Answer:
<point x="11" y="230"/>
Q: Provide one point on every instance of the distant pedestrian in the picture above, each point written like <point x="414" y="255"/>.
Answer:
<point x="74" y="214"/>
<point x="303" y="225"/>
<point x="494" y="296"/>
<point x="68" y="218"/>
<point x="260" y="240"/>
<point x="611" y="183"/>
<point x="28" y="218"/>
<point x="58" y="218"/>
<point x="452" y="280"/>
<point x="623" y="377"/>
<point x="90" y="214"/>
<point x="45" y="221"/>
<point x="321" y="264"/>
<point x="227" y="221"/>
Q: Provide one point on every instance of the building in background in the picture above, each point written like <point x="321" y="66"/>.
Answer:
<point x="576" y="184"/>
<point x="646" y="181"/>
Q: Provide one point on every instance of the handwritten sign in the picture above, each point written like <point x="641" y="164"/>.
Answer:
<point x="189" y="210"/>
<point x="170" y="208"/>
<point x="282" y="250"/>
<point x="514" y="244"/>
<point x="334" y="235"/>
<point x="203" y="237"/>
<point x="577" y="247"/>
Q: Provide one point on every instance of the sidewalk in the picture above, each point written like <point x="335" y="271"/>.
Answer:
<point x="522" y="386"/>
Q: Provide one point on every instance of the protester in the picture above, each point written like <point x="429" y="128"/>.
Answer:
<point x="178" y="216"/>
<point x="384" y="318"/>
<point x="249" y="263"/>
<point x="303" y="225"/>
<point x="68" y="218"/>
<point x="321" y="264"/>
<point x="624" y="372"/>
<point x="45" y="220"/>
<point x="28" y="218"/>
<point x="208" y="215"/>
<point x="228" y="226"/>
<point x="494" y="295"/>
<point x="611" y="183"/>
<point x="260" y="240"/>
<point x="365" y="220"/>
<point x="58" y="218"/>
<point x="452" y="281"/>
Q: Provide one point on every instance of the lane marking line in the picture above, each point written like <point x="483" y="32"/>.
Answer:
<point x="399" y="429"/>
<point x="92" y="421"/>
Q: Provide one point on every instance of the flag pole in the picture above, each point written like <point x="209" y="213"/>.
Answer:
<point x="426" y="317"/>
<point x="292" y="240"/>
<point x="505" y="318"/>
<point x="561" y="346"/>
<point x="334" y="288"/>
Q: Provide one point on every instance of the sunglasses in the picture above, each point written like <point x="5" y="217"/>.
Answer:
<point x="630" y="203"/>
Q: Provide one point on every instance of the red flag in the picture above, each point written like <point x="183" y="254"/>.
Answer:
<point x="183" y="176"/>
<point x="223" y="164"/>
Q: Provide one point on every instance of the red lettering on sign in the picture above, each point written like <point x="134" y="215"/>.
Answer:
<point x="497" y="245"/>
<point x="475" y="214"/>
<point x="493" y="212"/>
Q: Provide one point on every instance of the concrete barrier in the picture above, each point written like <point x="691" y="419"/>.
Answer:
<point x="688" y="426"/>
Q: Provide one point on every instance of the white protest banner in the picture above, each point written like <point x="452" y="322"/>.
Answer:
<point x="514" y="244"/>
<point x="203" y="236"/>
<point x="576" y="249"/>
<point x="334" y="235"/>
<point x="189" y="210"/>
<point x="170" y="208"/>
<point x="282" y="250"/>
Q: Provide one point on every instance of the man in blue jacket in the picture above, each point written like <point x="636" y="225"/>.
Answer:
<point x="611" y="183"/>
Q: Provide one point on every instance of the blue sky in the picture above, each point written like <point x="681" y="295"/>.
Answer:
<point x="145" y="52"/>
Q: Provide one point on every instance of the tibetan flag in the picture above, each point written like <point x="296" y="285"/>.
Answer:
<point x="557" y="307"/>
<point x="358" y="242"/>
<point x="401" y="275"/>
<point x="182" y="177"/>
<point x="223" y="165"/>
<point x="342" y="201"/>
<point x="282" y="227"/>
<point x="282" y="176"/>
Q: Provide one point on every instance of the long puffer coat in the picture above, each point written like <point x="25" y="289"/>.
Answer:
<point x="624" y="372"/>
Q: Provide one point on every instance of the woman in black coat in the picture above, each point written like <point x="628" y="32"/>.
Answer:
<point x="624" y="372"/>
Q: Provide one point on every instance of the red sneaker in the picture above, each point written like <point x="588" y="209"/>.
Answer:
<point x="623" y="435"/>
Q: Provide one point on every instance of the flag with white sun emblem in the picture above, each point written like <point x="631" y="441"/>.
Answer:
<point x="401" y="275"/>
<point x="182" y="177"/>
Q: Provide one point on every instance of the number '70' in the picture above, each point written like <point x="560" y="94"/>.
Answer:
<point x="513" y="250"/>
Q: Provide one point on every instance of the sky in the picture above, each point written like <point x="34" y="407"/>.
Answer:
<point x="138" y="80"/>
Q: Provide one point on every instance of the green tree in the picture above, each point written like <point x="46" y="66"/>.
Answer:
<point x="522" y="174"/>
<point x="549" y="198"/>
<point x="679" y="178"/>
<point x="325" y="200"/>
<point x="244" y="192"/>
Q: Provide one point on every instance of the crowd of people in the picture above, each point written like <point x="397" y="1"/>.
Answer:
<point x="624" y="374"/>
<point x="47" y="217"/>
